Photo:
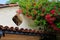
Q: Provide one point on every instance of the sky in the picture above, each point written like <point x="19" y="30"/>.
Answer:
<point x="3" y="1"/>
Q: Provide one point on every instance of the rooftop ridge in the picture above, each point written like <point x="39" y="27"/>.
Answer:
<point x="16" y="29"/>
<point x="7" y="5"/>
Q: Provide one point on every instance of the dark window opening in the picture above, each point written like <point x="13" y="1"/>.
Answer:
<point x="16" y="20"/>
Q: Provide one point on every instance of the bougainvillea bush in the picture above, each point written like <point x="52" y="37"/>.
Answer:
<point x="43" y="13"/>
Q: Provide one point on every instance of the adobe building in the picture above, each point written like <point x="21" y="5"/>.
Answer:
<point x="10" y="18"/>
<point x="7" y="13"/>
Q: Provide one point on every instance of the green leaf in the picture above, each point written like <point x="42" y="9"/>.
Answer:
<point x="37" y="22"/>
<point x="13" y="1"/>
<point x="58" y="25"/>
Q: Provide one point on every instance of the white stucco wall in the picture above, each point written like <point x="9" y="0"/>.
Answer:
<point x="6" y="15"/>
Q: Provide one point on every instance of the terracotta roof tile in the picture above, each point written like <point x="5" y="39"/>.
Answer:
<point x="8" y="5"/>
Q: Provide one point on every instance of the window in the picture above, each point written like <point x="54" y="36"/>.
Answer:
<point x="16" y="20"/>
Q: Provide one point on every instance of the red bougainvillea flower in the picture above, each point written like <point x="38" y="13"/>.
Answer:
<point x="47" y="16"/>
<point x="19" y="11"/>
<point x="50" y="19"/>
<point x="54" y="27"/>
<point x="52" y="11"/>
<point x="53" y="19"/>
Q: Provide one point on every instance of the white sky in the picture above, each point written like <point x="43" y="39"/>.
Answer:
<point x="3" y="1"/>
